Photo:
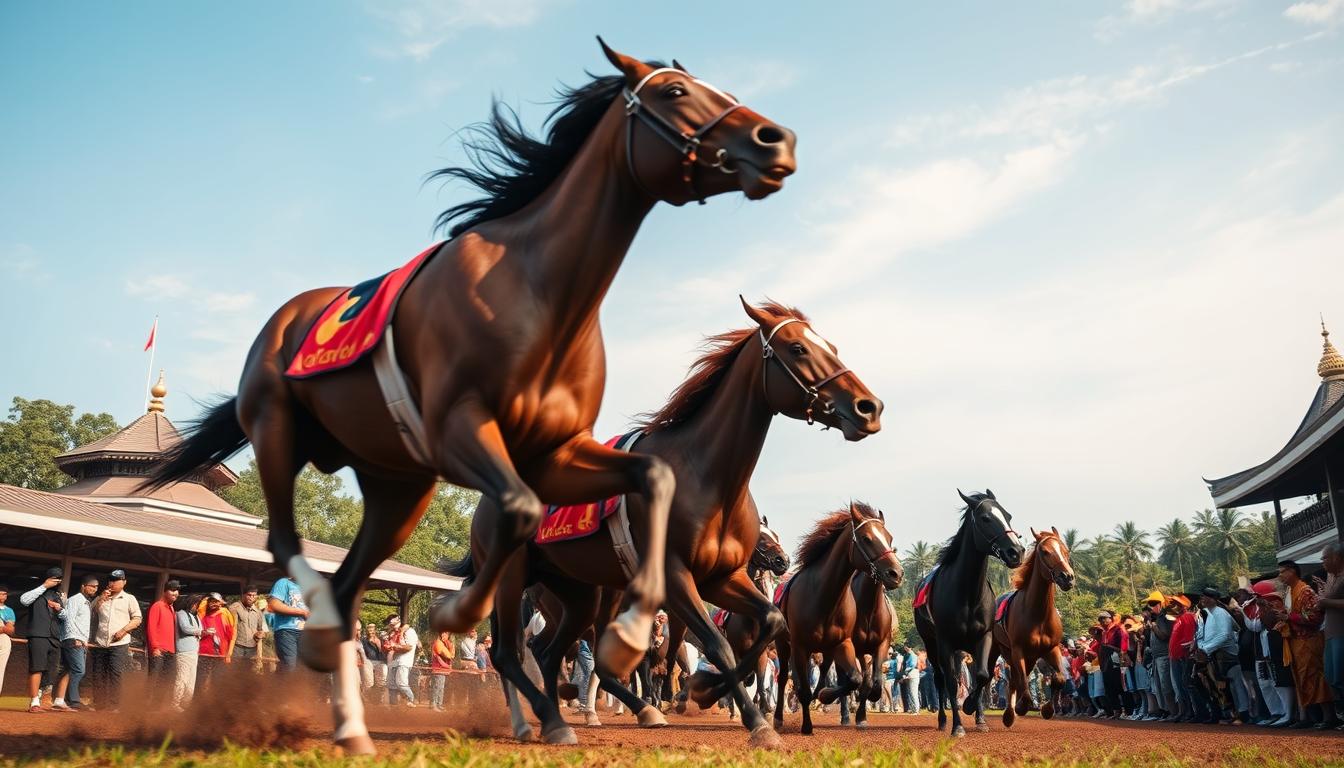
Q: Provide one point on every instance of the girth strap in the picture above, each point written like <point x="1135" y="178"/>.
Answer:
<point x="400" y="406"/>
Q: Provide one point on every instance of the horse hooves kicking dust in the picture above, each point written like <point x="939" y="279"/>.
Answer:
<point x="561" y="736"/>
<point x="650" y="717"/>
<point x="624" y="643"/>
<point x="765" y="737"/>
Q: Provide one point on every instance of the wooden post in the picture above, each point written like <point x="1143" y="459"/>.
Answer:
<point x="1278" y="526"/>
<point x="1336" y="497"/>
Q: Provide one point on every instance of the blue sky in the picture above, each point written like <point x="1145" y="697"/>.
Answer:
<point x="1079" y="249"/>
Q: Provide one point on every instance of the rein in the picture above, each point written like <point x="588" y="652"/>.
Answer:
<point x="811" y="392"/>
<point x="688" y="144"/>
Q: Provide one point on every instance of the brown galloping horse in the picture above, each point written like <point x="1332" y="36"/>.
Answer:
<point x="711" y="432"/>
<point x="872" y="639"/>
<point x="819" y="606"/>
<point x="499" y="347"/>
<point x="1031" y="628"/>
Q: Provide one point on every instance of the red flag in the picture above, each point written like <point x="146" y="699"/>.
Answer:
<point x="152" y="329"/>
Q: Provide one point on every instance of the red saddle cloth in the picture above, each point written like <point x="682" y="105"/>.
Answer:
<point x="720" y="618"/>
<point x="925" y="585"/>
<point x="577" y="520"/>
<point x="781" y="591"/>
<point x="352" y="324"/>
<point x="1001" y="606"/>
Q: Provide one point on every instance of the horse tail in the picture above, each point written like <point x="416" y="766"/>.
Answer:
<point x="210" y="441"/>
<point x="464" y="569"/>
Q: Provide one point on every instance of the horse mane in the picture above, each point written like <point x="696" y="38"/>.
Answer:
<point x="512" y="168"/>
<point x="822" y="537"/>
<point x="1022" y="573"/>
<point x="953" y="546"/>
<point x="716" y="357"/>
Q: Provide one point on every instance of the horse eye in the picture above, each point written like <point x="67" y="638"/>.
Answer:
<point x="676" y="91"/>
<point x="798" y="348"/>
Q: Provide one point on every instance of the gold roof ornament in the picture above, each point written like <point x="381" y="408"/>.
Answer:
<point x="1332" y="363"/>
<point x="160" y="389"/>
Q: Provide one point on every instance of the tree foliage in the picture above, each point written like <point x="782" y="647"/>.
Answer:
<point x="39" y="430"/>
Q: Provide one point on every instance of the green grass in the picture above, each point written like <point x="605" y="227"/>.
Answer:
<point x="457" y="751"/>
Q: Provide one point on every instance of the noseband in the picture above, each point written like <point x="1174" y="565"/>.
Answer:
<point x="688" y="144"/>
<point x="872" y="561"/>
<point x="812" y="392"/>
<point x="993" y="544"/>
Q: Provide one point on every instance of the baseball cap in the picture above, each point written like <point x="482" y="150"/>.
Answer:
<point x="215" y="596"/>
<point x="55" y="572"/>
<point x="1155" y="597"/>
<point x="117" y="575"/>
<point x="1264" y="589"/>
<point x="173" y="584"/>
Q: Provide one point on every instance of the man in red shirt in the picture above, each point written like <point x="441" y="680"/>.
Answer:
<point x="1178" y="649"/>
<point x="1114" y="646"/>
<point x="161" y="643"/>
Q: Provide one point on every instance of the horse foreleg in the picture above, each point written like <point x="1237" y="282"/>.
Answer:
<point x="739" y="595"/>
<point x="1056" y="682"/>
<point x="507" y="657"/>
<point x="782" y="683"/>
<point x="849" y="677"/>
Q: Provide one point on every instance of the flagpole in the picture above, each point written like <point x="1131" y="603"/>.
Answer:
<point x="149" y="373"/>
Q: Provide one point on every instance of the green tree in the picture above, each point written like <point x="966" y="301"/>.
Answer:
<point x="1177" y="543"/>
<point x="1132" y="544"/>
<point x="323" y="511"/>
<point x="919" y="560"/>
<point x="39" y="430"/>
<point x="1226" y="534"/>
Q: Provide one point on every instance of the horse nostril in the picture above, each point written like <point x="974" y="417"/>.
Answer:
<point x="865" y="407"/>
<point x="767" y="134"/>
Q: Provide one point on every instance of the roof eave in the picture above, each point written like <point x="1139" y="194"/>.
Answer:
<point x="1266" y="473"/>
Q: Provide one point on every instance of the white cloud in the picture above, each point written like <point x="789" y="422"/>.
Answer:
<point x="158" y="287"/>
<point x="1322" y="13"/>
<point x="421" y="26"/>
<point x="1285" y="67"/>
<point x="1139" y="13"/>
<point x="229" y="302"/>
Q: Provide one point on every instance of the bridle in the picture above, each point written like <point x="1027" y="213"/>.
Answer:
<point x="993" y="544"/>
<point x="811" y="392"/>
<point x="872" y="561"/>
<point x="1051" y="574"/>
<point x="688" y="144"/>
<point x="762" y="556"/>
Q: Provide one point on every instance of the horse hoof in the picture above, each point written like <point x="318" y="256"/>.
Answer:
<point x="357" y="745"/>
<point x="448" y="615"/>
<point x="958" y="732"/>
<point x="863" y="726"/>
<point x="765" y="737"/>
<point x="567" y="691"/>
<point x="827" y="696"/>
<point x="624" y="643"/>
<point x="680" y="707"/>
<point x="982" y="727"/>
<point x="591" y="720"/>
<point x="563" y="736"/>
<point x="968" y="707"/>
<point x="650" y="717"/>
<point x="1047" y="711"/>
<point x="320" y="648"/>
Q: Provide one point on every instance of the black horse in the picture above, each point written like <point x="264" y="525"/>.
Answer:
<point x="956" y="612"/>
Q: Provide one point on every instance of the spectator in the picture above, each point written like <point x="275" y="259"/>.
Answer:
<point x="483" y="653"/>
<point x="891" y="686"/>
<point x="1305" y="649"/>
<point x="1269" y="669"/>
<point x="217" y="635"/>
<point x="7" y="618"/>
<point x="1242" y="676"/>
<point x="161" y="643"/>
<point x="582" y="674"/>
<point x="375" y="671"/>
<point x="1214" y="653"/>
<point x="1114" y="643"/>
<point x="440" y="662"/>
<point x="288" y="614"/>
<point x="44" y="603"/>
<point x="1178" y="648"/>
<point x="400" y="647"/>
<point x="910" y="682"/>
<point x="249" y="619"/>
<point x="1332" y="605"/>
<point x="76" y="621"/>
<point x="115" y="614"/>
<point x="1159" y="624"/>
<point x="464" y="656"/>
<point x="929" y="695"/>
<point x="1135" y="673"/>
<point x="187" y="632"/>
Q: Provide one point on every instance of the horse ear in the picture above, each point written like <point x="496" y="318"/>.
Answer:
<point x="759" y="317"/>
<point x="964" y="498"/>
<point x="990" y="494"/>
<point x="854" y="512"/>
<point x="633" y="69"/>
<point x="881" y="516"/>
<point x="677" y="65"/>
<point x="765" y="521"/>
<point x="1055" y="531"/>
<point x="1034" y="534"/>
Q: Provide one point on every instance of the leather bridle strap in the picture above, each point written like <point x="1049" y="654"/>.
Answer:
<point x="810" y="391"/>
<point x="872" y="561"/>
<point x="688" y="144"/>
<point x="994" y="547"/>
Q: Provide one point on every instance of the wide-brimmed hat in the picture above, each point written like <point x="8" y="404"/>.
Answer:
<point x="1182" y="599"/>
<point x="1211" y="592"/>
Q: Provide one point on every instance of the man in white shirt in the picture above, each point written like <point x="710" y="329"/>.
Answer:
<point x="400" y="644"/>
<point x="115" y="614"/>
<point x="76" y="621"/>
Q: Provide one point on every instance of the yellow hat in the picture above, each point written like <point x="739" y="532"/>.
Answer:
<point x="1155" y="595"/>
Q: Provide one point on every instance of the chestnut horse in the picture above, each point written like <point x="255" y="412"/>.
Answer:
<point x="959" y="609"/>
<point x="498" y="342"/>
<point x="711" y="432"/>
<point x="819" y="606"/>
<point x="1031" y="629"/>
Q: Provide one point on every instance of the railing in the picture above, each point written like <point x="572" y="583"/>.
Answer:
<point x="1307" y="522"/>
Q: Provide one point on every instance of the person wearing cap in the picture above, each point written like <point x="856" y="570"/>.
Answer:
<point x="1258" y="618"/>
<point x="218" y="632"/>
<point x="1157" y="625"/>
<point x="115" y="613"/>
<point x="1114" y="644"/>
<point x="1304" y="649"/>
<point x="161" y="643"/>
<point x="7" y="619"/>
<point x="400" y="646"/>
<point x="1178" y="650"/>
<point x="44" y="603"/>
<point x="76" y="621"/>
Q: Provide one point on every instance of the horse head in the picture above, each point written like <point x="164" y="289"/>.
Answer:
<point x="810" y="382"/>
<point x="769" y="554"/>
<point x="992" y="528"/>
<point x="1054" y="556"/>
<point x="688" y="140"/>
<point x="871" y="547"/>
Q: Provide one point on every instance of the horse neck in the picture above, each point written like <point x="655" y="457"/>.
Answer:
<point x="833" y="574"/>
<point x="970" y="568"/>
<point x="1040" y="591"/>
<point x="866" y="594"/>
<point x="728" y="431"/>
<point x="578" y="231"/>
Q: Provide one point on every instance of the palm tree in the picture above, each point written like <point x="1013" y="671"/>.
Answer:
<point x="1071" y="538"/>
<point x="1177" y="540"/>
<point x="1227" y="536"/>
<point x="919" y="559"/>
<point x="1133" y="546"/>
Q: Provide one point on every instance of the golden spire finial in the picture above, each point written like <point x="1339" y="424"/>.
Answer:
<point x="156" y="394"/>
<point x="1332" y="363"/>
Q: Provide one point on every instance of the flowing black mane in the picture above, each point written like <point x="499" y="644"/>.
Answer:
<point x="819" y="541"/>
<point x="953" y="545"/>
<point x="512" y="168"/>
